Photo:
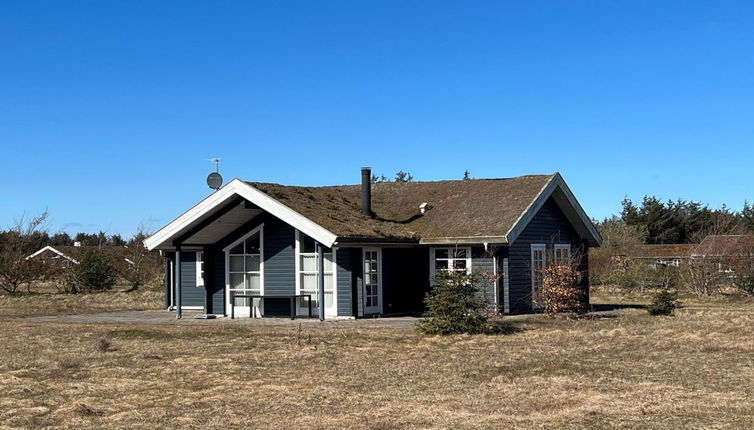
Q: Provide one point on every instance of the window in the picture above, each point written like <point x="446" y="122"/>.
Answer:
<point x="372" y="281"/>
<point x="562" y="254"/>
<point x="308" y="272"/>
<point x="538" y="263"/>
<point x="244" y="267"/>
<point x="200" y="269"/>
<point x="451" y="260"/>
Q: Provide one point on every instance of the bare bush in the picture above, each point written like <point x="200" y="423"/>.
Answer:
<point x="16" y="244"/>
<point x="139" y="266"/>
<point x="560" y="290"/>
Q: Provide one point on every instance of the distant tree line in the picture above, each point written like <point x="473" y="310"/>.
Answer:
<point x="680" y="221"/>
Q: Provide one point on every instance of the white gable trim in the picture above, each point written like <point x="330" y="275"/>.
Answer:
<point x="240" y="188"/>
<point x="50" y="248"/>
<point x="547" y="190"/>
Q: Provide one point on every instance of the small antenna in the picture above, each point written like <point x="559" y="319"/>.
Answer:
<point x="214" y="180"/>
<point x="217" y="164"/>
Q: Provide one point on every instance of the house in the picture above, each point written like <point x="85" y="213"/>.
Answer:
<point x="65" y="256"/>
<point x="369" y="249"/>
<point x="729" y="252"/>
<point x="664" y="255"/>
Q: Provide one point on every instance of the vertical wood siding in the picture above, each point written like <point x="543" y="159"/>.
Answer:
<point x="343" y="267"/>
<point x="483" y="261"/>
<point x="549" y="226"/>
<point x="190" y="294"/>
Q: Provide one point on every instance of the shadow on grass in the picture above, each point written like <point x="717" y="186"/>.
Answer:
<point x="604" y="307"/>
<point x="502" y="327"/>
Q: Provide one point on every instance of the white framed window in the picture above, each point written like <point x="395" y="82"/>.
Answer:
<point x="562" y="254"/>
<point x="372" y="259"/>
<point x="244" y="268"/>
<point x="307" y="271"/>
<point x="450" y="260"/>
<point x="199" y="269"/>
<point x="538" y="263"/>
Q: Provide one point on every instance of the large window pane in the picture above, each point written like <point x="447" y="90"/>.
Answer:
<point x="307" y="244"/>
<point x="252" y="263"/>
<point x="236" y="281"/>
<point x="237" y="250"/>
<point x="252" y="244"/>
<point x="252" y="282"/>
<point x="309" y="263"/>
<point x="309" y="281"/>
<point x="236" y="263"/>
<point x="441" y="253"/>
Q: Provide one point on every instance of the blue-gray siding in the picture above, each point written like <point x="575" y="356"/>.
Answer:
<point x="279" y="257"/>
<point x="483" y="261"/>
<point x="190" y="294"/>
<point x="549" y="226"/>
<point x="343" y="267"/>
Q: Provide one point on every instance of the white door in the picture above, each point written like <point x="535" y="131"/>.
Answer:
<point x="308" y="283"/>
<point x="372" y="282"/>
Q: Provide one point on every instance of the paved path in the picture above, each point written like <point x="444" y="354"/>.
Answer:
<point x="166" y="317"/>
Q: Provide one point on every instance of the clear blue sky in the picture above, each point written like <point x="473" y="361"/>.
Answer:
<point x="110" y="110"/>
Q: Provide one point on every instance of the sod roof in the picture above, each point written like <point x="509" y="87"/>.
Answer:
<point x="464" y="208"/>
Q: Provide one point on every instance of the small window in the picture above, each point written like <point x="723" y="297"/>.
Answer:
<point x="562" y="254"/>
<point x="452" y="260"/>
<point x="538" y="263"/>
<point x="200" y="269"/>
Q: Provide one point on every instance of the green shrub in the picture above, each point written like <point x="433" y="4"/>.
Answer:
<point x="663" y="303"/>
<point x="93" y="273"/>
<point x="454" y="305"/>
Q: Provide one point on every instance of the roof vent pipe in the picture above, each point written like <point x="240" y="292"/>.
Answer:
<point x="366" y="191"/>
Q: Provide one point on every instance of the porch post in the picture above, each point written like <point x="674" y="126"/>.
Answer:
<point x="321" y="281"/>
<point x="177" y="280"/>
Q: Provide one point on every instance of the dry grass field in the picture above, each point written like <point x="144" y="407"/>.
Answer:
<point x="693" y="370"/>
<point x="46" y="301"/>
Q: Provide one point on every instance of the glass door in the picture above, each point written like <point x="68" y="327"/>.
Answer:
<point x="245" y="274"/>
<point x="372" y="286"/>
<point x="308" y="275"/>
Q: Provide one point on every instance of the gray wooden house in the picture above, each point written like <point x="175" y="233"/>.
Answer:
<point x="369" y="249"/>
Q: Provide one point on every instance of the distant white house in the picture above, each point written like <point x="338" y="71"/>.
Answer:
<point x="67" y="256"/>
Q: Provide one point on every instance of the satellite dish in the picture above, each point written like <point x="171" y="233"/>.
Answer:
<point x="214" y="180"/>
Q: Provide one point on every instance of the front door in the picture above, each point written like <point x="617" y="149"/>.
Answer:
<point x="372" y="281"/>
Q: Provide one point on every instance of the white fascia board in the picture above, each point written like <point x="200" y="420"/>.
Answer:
<point x="240" y="188"/>
<point x="50" y="248"/>
<point x="467" y="240"/>
<point x="547" y="190"/>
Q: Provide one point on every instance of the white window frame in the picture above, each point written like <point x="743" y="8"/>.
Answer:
<point x="433" y="260"/>
<point x="200" y="269"/>
<point x="380" y="297"/>
<point x="300" y="310"/>
<point x="226" y="250"/>
<point x="537" y="247"/>
<point x="558" y="247"/>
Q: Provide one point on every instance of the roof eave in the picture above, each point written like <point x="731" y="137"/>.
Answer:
<point x="463" y="240"/>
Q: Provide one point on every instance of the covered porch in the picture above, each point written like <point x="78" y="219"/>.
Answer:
<point x="235" y="245"/>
